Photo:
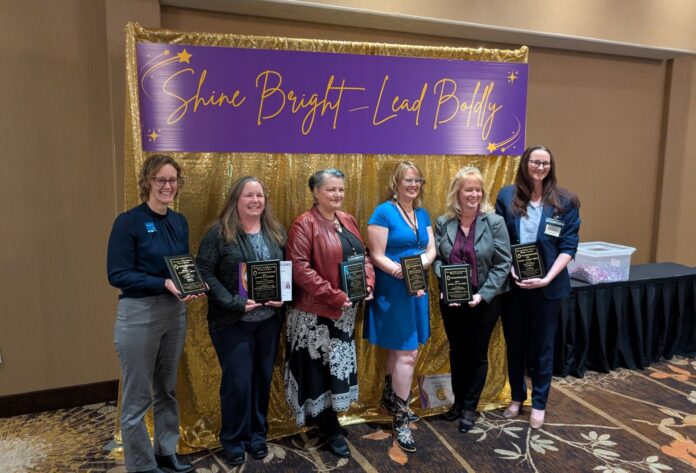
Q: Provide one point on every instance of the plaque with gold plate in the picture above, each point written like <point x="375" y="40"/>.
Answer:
<point x="263" y="280"/>
<point x="527" y="261"/>
<point x="185" y="275"/>
<point x="353" y="282"/>
<point x="456" y="283"/>
<point x="413" y="273"/>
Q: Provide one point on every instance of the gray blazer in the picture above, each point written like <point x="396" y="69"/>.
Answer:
<point x="492" y="246"/>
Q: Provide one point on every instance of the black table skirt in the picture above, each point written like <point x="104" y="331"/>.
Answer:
<point x="628" y="324"/>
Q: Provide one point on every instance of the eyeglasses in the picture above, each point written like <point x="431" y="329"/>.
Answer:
<point x="173" y="182"/>
<point x="540" y="164"/>
<point x="410" y="182"/>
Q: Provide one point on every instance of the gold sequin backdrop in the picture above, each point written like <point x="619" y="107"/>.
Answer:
<point x="209" y="176"/>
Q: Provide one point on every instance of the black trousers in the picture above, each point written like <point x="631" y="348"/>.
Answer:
<point x="529" y="325"/>
<point x="247" y="353"/>
<point x="468" y="332"/>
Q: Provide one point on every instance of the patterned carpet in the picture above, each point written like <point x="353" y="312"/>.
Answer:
<point x="625" y="421"/>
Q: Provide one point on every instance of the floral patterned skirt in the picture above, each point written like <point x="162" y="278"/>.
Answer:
<point x="320" y="365"/>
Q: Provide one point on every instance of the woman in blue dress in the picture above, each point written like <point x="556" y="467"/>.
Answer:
<point x="396" y="320"/>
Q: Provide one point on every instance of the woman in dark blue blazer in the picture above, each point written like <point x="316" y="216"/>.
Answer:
<point x="535" y="209"/>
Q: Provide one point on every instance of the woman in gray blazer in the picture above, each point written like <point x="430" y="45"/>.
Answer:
<point x="470" y="233"/>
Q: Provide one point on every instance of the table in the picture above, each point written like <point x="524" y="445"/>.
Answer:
<point x="627" y="324"/>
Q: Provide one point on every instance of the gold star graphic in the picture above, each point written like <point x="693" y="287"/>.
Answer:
<point x="491" y="147"/>
<point x="153" y="136"/>
<point x="184" y="56"/>
<point x="165" y="52"/>
<point x="511" y="78"/>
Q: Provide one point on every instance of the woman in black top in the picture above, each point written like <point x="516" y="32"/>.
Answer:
<point x="244" y="333"/>
<point x="151" y="320"/>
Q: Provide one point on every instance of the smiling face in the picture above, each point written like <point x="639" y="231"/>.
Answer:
<point x="539" y="166"/>
<point x="163" y="187"/>
<point x="252" y="201"/>
<point x="409" y="185"/>
<point x="470" y="194"/>
<point x="329" y="195"/>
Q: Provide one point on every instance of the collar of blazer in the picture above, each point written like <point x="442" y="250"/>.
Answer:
<point x="453" y="224"/>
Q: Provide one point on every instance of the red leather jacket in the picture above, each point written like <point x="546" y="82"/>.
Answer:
<point x="315" y="251"/>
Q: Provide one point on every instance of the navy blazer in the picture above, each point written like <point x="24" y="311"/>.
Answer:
<point x="549" y="246"/>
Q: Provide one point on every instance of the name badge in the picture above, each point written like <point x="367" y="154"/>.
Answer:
<point x="150" y="227"/>
<point x="553" y="227"/>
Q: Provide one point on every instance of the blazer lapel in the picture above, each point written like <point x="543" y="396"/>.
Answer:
<point x="545" y="213"/>
<point x="452" y="225"/>
<point x="480" y="227"/>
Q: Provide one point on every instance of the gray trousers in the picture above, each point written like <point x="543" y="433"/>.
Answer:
<point x="149" y="336"/>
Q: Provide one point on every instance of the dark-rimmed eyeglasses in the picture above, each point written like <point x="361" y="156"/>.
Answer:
<point x="173" y="182"/>
<point x="540" y="164"/>
<point x="411" y="181"/>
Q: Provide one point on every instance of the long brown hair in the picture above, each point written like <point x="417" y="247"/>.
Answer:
<point x="551" y="194"/>
<point x="229" y="216"/>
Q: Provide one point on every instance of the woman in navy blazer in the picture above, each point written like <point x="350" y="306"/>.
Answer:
<point x="536" y="210"/>
<point x="469" y="232"/>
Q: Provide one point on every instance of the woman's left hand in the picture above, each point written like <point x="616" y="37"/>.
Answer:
<point x="420" y="293"/>
<point x="475" y="300"/>
<point x="275" y="304"/>
<point x="370" y="294"/>
<point x="533" y="283"/>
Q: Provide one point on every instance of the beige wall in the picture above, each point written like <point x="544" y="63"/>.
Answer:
<point x="59" y="194"/>
<point x="615" y="125"/>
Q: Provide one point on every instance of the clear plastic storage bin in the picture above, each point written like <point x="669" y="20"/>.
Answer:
<point x="598" y="262"/>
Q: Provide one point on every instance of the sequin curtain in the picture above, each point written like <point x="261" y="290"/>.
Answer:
<point x="208" y="177"/>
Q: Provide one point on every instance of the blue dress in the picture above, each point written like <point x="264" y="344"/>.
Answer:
<point x="394" y="319"/>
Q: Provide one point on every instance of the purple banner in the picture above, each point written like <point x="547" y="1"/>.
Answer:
<point x="220" y="99"/>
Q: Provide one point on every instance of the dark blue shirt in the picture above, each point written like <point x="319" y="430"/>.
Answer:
<point x="139" y="241"/>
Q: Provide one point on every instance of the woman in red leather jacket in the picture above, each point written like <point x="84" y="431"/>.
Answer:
<point x="320" y="364"/>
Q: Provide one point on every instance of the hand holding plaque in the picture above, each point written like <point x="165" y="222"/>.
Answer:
<point x="353" y="281"/>
<point x="414" y="275"/>
<point x="527" y="262"/>
<point x="185" y="275"/>
<point x="456" y="283"/>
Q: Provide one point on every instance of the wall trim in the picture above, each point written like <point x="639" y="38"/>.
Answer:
<point x="59" y="398"/>
<point x="303" y="10"/>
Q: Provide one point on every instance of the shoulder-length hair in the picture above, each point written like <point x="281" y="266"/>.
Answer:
<point x="551" y="194"/>
<point x="229" y="216"/>
<point x="398" y="174"/>
<point x="150" y="168"/>
<point x="453" y="208"/>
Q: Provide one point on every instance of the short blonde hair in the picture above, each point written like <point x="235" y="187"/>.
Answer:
<point x="398" y="174"/>
<point x="453" y="208"/>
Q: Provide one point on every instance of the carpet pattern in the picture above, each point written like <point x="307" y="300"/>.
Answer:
<point x="621" y="422"/>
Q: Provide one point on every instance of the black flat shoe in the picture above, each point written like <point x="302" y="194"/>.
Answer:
<point x="172" y="463"/>
<point x="454" y="413"/>
<point x="338" y="446"/>
<point x="236" y="458"/>
<point x="466" y="423"/>
<point x="259" y="451"/>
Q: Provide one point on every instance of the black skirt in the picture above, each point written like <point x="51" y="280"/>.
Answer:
<point x="321" y="369"/>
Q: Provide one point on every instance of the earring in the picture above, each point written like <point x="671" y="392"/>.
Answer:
<point x="395" y="196"/>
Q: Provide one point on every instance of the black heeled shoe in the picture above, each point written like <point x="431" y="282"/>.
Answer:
<point x="259" y="451"/>
<point x="466" y="423"/>
<point x="338" y="446"/>
<point x="236" y="458"/>
<point x="454" y="413"/>
<point x="172" y="463"/>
